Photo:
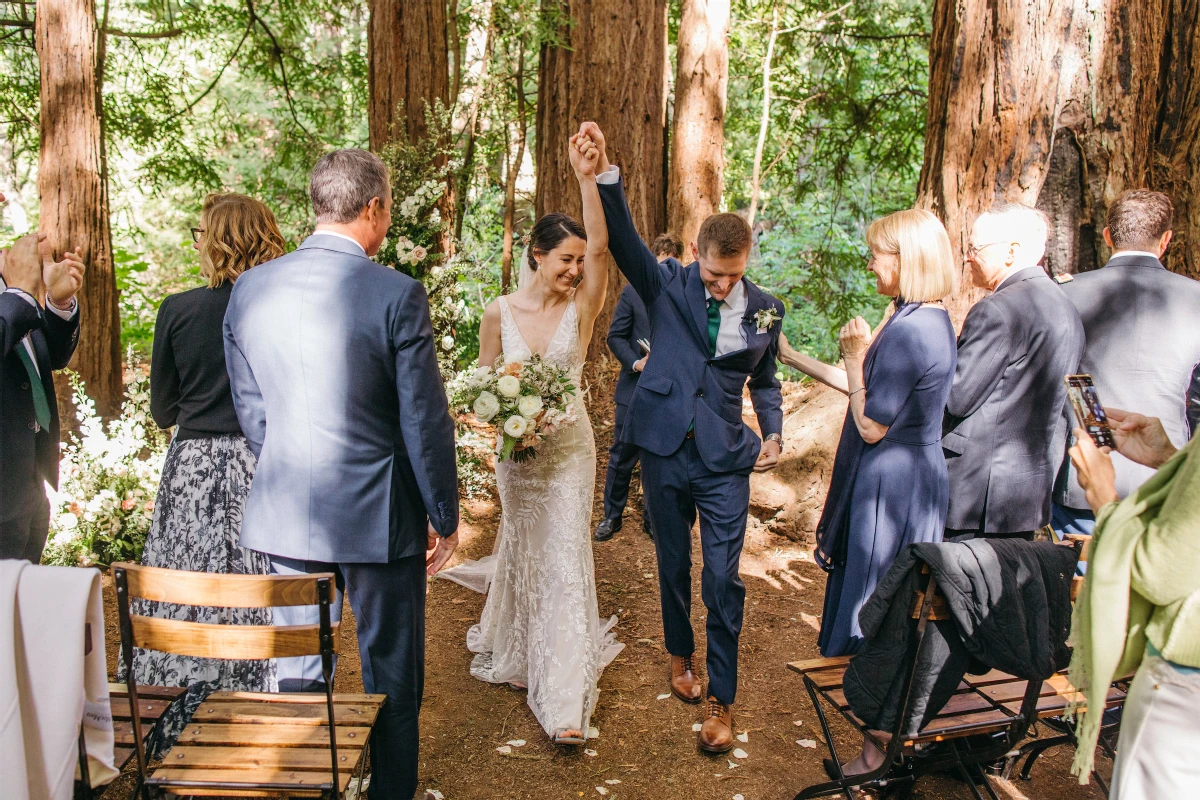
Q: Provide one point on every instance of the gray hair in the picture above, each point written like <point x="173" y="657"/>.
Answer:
<point x="1019" y="223"/>
<point x="343" y="183"/>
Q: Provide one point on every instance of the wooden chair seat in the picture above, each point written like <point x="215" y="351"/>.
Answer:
<point x="153" y="703"/>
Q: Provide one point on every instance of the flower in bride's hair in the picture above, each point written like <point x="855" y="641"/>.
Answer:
<point x="509" y="386"/>
<point x="486" y="406"/>
<point x="515" y="426"/>
<point x="529" y="405"/>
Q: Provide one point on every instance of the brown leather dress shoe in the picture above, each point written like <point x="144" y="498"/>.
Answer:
<point x="684" y="683"/>
<point x="716" y="732"/>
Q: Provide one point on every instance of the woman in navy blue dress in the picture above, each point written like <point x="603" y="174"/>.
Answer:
<point x="889" y="487"/>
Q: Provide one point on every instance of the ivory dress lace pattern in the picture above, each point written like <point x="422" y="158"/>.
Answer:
<point x="540" y="625"/>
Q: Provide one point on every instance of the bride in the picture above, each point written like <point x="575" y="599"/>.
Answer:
<point x="540" y="628"/>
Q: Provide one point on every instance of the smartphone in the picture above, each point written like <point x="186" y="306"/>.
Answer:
<point x="645" y="345"/>
<point x="1088" y="411"/>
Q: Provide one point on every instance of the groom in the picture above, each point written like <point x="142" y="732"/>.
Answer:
<point x="335" y="379"/>
<point x="713" y="330"/>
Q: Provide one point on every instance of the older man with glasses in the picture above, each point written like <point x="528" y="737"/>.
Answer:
<point x="1000" y="434"/>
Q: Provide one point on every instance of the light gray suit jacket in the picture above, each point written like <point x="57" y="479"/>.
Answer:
<point x="335" y="379"/>
<point x="1142" y="325"/>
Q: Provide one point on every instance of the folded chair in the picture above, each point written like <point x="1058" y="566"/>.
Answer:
<point x="247" y="744"/>
<point x="969" y="713"/>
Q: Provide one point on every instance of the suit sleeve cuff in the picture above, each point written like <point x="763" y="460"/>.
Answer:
<point x="24" y="295"/>
<point x="608" y="178"/>
<point x="60" y="313"/>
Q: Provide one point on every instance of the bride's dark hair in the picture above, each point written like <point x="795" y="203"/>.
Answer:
<point x="549" y="232"/>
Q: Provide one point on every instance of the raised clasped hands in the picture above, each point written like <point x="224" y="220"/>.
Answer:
<point x="438" y="550"/>
<point x="855" y="338"/>
<point x="584" y="155"/>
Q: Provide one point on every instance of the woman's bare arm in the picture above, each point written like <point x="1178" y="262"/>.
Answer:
<point x="592" y="289"/>
<point x="831" y="376"/>
<point x="489" y="335"/>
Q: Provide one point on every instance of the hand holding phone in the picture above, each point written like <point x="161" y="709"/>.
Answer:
<point x="645" y="345"/>
<point x="1089" y="413"/>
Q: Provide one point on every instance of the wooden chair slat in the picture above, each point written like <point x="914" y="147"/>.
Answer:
<point x="204" y="640"/>
<point x="297" y="778"/>
<point x="965" y="703"/>
<point x="1013" y="690"/>
<point x="829" y="678"/>
<point x="990" y="677"/>
<point x="148" y="710"/>
<point x="939" y="610"/>
<point x="120" y="691"/>
<point x="223" y="591"/>
<point x="819" y="663"/>
<point x="968" y="724"/>
<point x="283" y="714"/>
<point x="315" y="736"/>
<point x="304" y="759"/>
<point x="297" y="697"/>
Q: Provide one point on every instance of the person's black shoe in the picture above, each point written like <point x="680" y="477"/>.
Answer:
<point x="606" y="529"/>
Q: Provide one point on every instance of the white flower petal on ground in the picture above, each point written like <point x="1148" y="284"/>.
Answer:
<point x="744" y="737"/>
<point x="593" y="732"/>
<point x="508" y="385"/>
<point x="590" y="753"/>
<point x="733" y="764"/>
<point x="809" y="743"/>
<point x="696" y="726"/>
<point x="738" y="797"/>
<point x="601" y="791"/>
<point x="740" y="753"/>
<point x="516" y="742"/>
<point x="434" y="794"/>
<point x="798" y="723"/>
<point x="504" y="750"/>
<point x="664" y="696"/>
<point x="515" y="426"/>
<point x="613" y="781"/>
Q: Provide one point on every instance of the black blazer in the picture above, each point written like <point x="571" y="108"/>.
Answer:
<point x="629" y="323"/>
<point x="27" y="457"/>
<point x="1000" y="433"/>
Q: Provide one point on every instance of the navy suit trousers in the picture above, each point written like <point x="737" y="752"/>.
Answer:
<point x="682" y="486"/>
<point x="622" y="458"/>
<point x="389" y="610"/>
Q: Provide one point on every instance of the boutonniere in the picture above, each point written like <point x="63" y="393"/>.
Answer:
<point x="764" y="318"/>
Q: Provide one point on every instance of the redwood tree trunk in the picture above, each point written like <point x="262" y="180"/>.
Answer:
<point x="610" y="71"/>
<point x="407" y="64"/>
<point x="696" y="175"/>
<point x="71" y="184"/>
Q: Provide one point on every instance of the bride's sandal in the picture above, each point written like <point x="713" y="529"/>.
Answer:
<point x="520" y="687"/>
<point x="568" y="736"/>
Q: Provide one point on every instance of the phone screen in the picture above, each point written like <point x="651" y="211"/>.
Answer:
<point x="1088" y="410"/>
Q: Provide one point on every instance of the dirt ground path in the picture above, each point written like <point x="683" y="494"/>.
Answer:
<point x="646" y="748"/>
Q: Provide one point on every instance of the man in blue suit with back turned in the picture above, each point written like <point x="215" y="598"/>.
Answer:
<point x="335" y="380"/>
<point x="712" y="330"/>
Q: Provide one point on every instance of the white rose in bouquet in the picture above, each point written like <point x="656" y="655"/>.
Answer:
<point x="486" y="406"/>
<point x="515" y="426"/>
<point x="529" y="405"/>
<point x="509" y="386"/>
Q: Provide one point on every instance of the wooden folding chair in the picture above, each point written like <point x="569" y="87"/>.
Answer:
<point x="247" y="744"/>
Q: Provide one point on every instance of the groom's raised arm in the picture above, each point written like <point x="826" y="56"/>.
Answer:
<point x="633" y="258"/>
<point x="425" y="421"/>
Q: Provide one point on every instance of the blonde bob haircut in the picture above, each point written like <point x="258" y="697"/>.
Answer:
<point x="926" y="260"/>
<point x="239" y="233"/>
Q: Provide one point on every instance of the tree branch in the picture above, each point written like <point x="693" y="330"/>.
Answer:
<point x="144" y="35"/>
<point x="16" y="23"/>
<point x="215" y="80"/>
<point x="278" y="51"/>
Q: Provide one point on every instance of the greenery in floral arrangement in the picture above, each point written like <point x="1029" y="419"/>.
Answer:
<point x="109" y="479"/>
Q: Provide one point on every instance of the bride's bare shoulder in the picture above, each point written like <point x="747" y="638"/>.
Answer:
<point x="491" y="315"/>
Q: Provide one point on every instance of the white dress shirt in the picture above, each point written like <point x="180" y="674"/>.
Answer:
<point x="731" y="337"/>
<point x="342" y="236"/>
<point x="24" y="295"/>
<point x="1134" y="253"/>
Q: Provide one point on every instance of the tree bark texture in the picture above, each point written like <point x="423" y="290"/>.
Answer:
<point x="696" y="173"/>
<point x="609" y="71"/>
<point x="71" y="185"/>
<point x="1062" y="104"/>
<point x="407" y="64"/>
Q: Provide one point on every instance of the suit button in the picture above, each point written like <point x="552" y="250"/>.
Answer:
<point x="33" y="426"/>
<point x="25" y="386"/>
<point x="699" y="393"/>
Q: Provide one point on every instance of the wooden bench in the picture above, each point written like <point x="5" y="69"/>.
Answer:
<point x="970" y="712"/>
<point x="248" y="744"/>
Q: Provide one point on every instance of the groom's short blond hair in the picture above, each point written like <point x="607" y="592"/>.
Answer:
<point x="926" y="259"/>
<point x="728" y="233"/>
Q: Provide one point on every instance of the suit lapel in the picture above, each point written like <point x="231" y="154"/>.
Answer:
<point x="693" y="291"/>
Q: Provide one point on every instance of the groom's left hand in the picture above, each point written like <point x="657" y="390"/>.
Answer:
<point x="768" y="458"/>
<point x="439" y="551"/>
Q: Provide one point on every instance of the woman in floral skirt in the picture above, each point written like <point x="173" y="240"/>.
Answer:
<point x="208" y="469"/>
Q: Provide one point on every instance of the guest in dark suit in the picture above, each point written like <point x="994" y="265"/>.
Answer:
<point x="629" y="329"/>
<point x="209" y="467"/>
<point x="1142" y="324"/>
<point x="39" y="329"/>
<point x="335" y="380"/>
<point x="1003" y="414"/>
<point x="714" y="332"/>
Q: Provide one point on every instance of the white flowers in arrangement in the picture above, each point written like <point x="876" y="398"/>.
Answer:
<point x="409" y="253"/>
<point x="528" y="401"/>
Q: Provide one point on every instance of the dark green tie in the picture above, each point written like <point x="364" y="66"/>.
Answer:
<point x="41" y="405"/>
<point x="714" y="324"/>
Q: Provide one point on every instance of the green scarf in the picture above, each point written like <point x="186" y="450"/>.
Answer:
<point x="1108" y="627"/>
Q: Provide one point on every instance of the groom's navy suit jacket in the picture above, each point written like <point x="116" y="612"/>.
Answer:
<point x="682" y="385"/>
<point x="335" y="379"/>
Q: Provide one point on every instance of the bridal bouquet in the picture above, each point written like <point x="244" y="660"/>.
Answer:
<point x="527" y="401"/>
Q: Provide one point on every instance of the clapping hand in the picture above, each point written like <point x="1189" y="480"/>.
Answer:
<point x="62" y="279"/>
<point x="1140" y="438"/>
<point x="439" y="550"/>
<point x="1094" y="470"/>
<point x="22" y="268"/>
<point x="855" y="338"/>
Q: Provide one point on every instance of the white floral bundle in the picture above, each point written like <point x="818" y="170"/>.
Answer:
<point x="527" y="402"/>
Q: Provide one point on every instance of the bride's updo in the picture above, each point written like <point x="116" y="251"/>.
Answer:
<point x="548" y="233"/>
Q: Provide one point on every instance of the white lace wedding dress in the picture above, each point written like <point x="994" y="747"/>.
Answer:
<point x="540" y="625"/>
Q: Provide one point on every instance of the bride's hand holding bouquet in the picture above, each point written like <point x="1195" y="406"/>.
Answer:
<point x="526" y="401"/>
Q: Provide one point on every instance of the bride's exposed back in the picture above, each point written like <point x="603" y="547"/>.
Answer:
<point x="540" y="627"/>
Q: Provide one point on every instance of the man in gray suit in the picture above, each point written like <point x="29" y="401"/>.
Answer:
<point x="1143" y="339"/>
<point x="1016" y="345"/>
<point x="335" y="379"/>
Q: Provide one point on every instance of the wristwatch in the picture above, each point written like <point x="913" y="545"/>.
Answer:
<point x="774" y="437"/>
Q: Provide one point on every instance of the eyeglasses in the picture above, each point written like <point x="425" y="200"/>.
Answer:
<point x="196" y="234"/>
<point x="973" y="251"/>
